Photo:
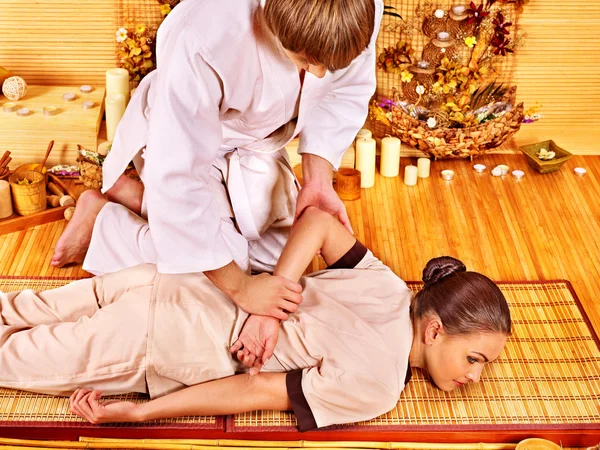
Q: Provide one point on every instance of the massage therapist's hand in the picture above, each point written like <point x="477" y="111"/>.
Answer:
<point x="269" y="295"/>
<point x="87" y="404"/>
<point x="256" y="342"/>
<point x="317" y="190"/>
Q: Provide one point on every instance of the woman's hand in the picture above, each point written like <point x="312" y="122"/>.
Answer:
<point x="86" y="404"/>
<point x="256" y="342"/>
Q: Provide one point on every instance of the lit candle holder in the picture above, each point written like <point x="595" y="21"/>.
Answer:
<point x="443" y="36"/>
<point x="459" y="10"/>
<point x="9" y="107"/>
<point x="447" y="175"/>
<point x="410" y="175"/>
<point x="518" y="174"/>
<point x="23" y="112"/>
<point x="365" y="161"/>
<point x="6" y="209"/>
<point x="115" y="108"/>
<point x="479" y="168"/>
<point x="85" y="89"/>
<point x="49" y="110"/>
<point x="423" y="166"/>
<point x="88" y="104"/>
<point x="389" y="165"/>
<point x="69" y="96"/>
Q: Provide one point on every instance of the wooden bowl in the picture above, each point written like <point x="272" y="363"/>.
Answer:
<point x="545" y="166"/>
<point x="537" y="444"/>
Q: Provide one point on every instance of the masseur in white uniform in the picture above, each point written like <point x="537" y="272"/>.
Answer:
<point x="236" y="81"/>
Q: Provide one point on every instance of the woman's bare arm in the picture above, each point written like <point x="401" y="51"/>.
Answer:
<point x="236" y="394"/>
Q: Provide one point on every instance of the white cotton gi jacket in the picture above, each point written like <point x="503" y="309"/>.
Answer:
<point x="223" y="83"/>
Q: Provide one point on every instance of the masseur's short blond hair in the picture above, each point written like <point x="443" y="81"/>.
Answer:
<point x="327" y="32"/>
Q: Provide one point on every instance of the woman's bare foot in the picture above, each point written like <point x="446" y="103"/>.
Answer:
<point x="75" y="240"/>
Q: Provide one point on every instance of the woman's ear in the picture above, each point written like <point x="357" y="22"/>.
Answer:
<point x="433" y="330"/>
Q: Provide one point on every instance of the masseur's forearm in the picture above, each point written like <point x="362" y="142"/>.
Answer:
<point x="316" y="170"/>
<point x="236" y="394"/>
<point x="229" y="279"/>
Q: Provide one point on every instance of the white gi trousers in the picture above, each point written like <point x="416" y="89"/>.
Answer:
<point x="254" y="193"/>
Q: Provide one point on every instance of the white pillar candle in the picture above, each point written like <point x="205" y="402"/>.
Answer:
<point x="117" y="82"/>
<point x="365" y="161"/>
<point x="390" y="157"/>
<point x="363" y="133"/>
<point x="6" y="208"/>
<point x="423" y="166"/>
<point x="115" y="108"/>
<point x="410" y="175"/>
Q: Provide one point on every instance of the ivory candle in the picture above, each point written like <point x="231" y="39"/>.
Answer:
<point x="390" y="157"/>
<point x="423" y="167"/>
<point x="117" y="82"/>
<point x="365" y="161"/>
<point x="6" y="208"/>
<point x="115" y="108"/>
<point x="364" y="134"/>
<point x="410" y="175"/>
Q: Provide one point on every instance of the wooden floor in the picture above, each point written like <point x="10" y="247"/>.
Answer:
<point x="543" y="227"/>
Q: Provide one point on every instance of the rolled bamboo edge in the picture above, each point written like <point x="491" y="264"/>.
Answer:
<point x="314" y="445"/>
<point x="225" y="444"/>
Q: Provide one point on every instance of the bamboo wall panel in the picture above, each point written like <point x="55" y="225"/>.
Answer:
<point x="58" y="42"/>
<point x="559" y="67"/>
<point x="71" y="42"/>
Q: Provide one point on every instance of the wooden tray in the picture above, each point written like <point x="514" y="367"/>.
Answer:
<point x="16" y="223"/>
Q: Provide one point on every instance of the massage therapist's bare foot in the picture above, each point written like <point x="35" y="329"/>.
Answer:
<point x="75" y="240"/>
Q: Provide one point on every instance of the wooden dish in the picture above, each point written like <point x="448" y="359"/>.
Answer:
<point x="545" y="166"/>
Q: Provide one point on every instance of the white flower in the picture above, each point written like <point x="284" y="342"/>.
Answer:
<point x="431" y="122"/>
<point x="439" y="13"/>
<point x="121" y="35"/>
<point x="420" y="90"/>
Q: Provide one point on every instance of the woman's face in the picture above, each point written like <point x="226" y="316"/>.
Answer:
<point x="318" y="70"/>
<point x="453" y="361"/>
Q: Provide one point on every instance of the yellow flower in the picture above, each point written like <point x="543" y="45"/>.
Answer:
<point x="165" y="9"/>
<point x="140" y="29"/>
<point x="406" y="76"/>
<point x="471" y="41"/>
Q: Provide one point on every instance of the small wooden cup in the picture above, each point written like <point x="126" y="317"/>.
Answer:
<point x="28" y="199"/>
<point x="348" y="184"/>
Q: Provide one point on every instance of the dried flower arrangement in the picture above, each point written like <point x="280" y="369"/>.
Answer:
<point x="136" y="44"/>
<point x="449" y="103"/>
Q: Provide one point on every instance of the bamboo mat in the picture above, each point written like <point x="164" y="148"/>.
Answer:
<point x="20" y="408"/>
<point x="547" y="377"/>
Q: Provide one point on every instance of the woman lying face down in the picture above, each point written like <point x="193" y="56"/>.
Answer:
<point x="342" y="357"/>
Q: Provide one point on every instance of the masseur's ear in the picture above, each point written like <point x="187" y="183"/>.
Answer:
<point x="433" y="331"/>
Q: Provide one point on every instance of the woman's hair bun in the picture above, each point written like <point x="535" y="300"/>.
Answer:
<point x="441" y="267"/>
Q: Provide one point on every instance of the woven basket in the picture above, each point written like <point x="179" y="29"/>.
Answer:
<point x="437" y="50"/>
<point x="456" y="142"/>
<point x="421" y="77"/>
<point x="432" y="26"/>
